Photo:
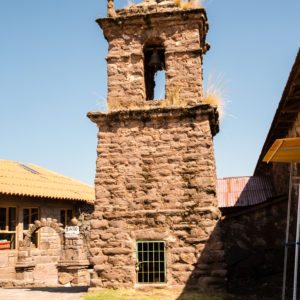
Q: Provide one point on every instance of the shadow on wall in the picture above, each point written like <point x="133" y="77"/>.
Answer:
<point x="251" y="240"/>
<point x="209" y="272"/>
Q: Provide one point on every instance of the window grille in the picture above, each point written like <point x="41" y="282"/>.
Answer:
<point x="151" y="265"/>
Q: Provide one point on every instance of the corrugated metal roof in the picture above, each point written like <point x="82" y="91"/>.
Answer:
<point x="31" y="180"/>
<point x="243" y="191"/>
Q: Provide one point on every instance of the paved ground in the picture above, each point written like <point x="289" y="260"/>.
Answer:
<point x="69" y="293"/>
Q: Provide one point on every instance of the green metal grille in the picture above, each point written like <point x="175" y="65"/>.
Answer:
<point x="151" y="266"/>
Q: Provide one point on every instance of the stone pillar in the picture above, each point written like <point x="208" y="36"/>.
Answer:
<point x="25" y="264"/>
<point x="73" y="265"/>
<point x="111" y="9"/>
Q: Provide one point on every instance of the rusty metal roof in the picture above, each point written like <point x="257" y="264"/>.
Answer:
<point x="243" y="191"/>
<point x="31" y="180"/>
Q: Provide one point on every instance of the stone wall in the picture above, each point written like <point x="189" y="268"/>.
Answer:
<point x="181" y="34"/>
<point x="156" y="180"/>
<point x="8" y="259"/>
<point x="254" y="243"/>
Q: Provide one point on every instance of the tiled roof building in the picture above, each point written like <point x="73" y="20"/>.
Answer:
<point x="30" y="194"/>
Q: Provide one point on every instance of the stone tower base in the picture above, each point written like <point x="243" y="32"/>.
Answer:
<point x="156" y="181"/>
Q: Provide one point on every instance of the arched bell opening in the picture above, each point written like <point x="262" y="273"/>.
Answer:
<point x="154" y="70"/>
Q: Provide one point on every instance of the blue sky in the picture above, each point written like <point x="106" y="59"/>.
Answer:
<point x="53" y="71"/>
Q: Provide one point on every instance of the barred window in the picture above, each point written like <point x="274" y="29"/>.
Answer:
<point x="151" y="265"/>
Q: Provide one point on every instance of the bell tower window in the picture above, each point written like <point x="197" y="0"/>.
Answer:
<point x="154" y="71"/>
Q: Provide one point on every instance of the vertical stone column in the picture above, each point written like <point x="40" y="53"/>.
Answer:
<point x="73" y="265"/>
<point x="111" y="9"/>
<point x="25" y="264"/>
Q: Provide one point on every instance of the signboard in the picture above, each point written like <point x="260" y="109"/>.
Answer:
<point x="71" y="231"/>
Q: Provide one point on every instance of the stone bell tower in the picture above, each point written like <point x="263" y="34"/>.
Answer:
<point x="156" y="215"/>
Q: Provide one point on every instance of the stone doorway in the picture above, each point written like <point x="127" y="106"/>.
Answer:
<point x="58" y="259"/>
<point x="39" y="265"/>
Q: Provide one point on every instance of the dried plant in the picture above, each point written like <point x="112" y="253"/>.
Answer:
<point x="130" y="3"/>
<point x="189" y="4"/>
<point x="173" y="98"/>
<point x="215" y="95"/>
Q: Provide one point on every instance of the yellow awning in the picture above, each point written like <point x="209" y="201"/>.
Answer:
<point x="284" y="150"/>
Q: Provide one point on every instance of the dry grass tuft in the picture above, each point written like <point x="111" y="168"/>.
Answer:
<point x="130" y="3"/>
<point x="213" y="98"/>
<point x="188" y="4"/>
<point x="215" y="95"/>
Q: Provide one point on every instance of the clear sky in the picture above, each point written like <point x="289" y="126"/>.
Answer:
<point x="53" y="71"/>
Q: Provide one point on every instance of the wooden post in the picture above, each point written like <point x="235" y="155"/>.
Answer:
<point x="287" y="232"/>
<point x="295" y="286"/>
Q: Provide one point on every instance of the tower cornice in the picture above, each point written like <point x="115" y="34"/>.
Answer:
<point x="147" y="19"/>
<point x="197" y="111"/>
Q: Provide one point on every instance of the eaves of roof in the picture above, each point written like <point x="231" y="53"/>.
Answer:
<point x="285" y="116"/>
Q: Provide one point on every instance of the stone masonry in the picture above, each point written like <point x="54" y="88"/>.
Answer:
<point x="156" y="175"/>
<point x="156" y="181"/>
<point x="181" y="33"/>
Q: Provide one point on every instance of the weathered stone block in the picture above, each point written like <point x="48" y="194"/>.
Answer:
<point x="100" y="268"/>
<point x="4" y="262"/>
<point x="99" y="224"/>
<point x="116" y="251"/>
<point x="188" y="258"/>
<point x="98" y="260"/>
<point x="64" y="278"/>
